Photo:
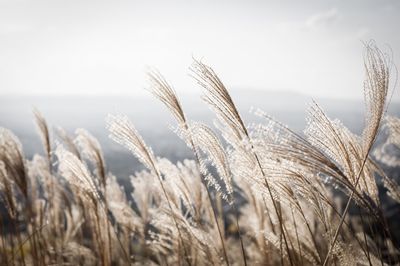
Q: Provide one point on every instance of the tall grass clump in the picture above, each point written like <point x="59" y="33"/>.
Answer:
<point x="258" y="194"/>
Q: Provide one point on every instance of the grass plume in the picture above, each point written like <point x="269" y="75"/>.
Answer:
<point x="258" y="194"/>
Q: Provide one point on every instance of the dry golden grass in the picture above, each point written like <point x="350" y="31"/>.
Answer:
<point x="269" y="197"/>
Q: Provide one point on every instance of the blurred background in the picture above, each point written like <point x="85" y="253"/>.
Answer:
<point x="77" y="61"/>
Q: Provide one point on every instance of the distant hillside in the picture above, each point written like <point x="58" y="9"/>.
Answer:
<point x="153" y="120"/>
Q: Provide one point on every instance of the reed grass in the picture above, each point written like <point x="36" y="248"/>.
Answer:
<point x="260" y="194"/>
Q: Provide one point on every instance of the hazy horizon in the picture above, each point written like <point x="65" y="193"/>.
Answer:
<point x="154" y="122"/>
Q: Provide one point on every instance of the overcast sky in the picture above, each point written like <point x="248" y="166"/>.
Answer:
<point x="97" y="47"/>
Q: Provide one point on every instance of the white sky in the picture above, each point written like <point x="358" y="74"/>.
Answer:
<point x="92" y="47"/>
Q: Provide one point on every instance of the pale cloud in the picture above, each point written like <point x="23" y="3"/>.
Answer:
<point x="363" y="33"/>
<point x="389" y="8"/>
<point x="14" y="28"/>
<point x="324" y="18"/>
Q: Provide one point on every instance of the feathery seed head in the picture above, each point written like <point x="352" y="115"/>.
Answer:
<point x="160" y="88"/>
<point x="123" y="132"/>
